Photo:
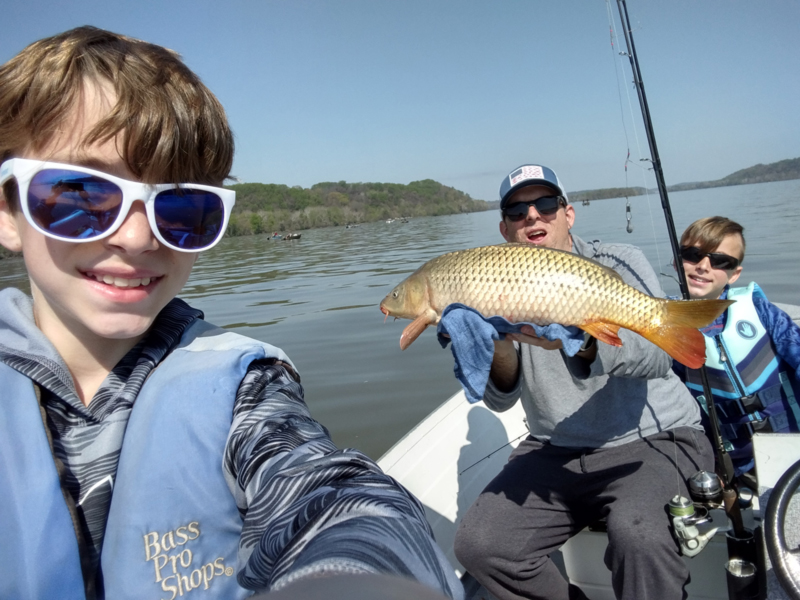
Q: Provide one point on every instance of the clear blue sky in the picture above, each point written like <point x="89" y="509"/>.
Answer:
<point x="462" y="91"/>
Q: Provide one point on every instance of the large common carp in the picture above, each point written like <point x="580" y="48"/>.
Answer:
<point x="529" y="284"/>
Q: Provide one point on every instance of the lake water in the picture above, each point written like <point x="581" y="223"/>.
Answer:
<point x="317" y="297"/>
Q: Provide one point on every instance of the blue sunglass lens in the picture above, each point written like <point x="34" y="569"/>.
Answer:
<point x="73" y="205"/>
<point x="188" y="218"/>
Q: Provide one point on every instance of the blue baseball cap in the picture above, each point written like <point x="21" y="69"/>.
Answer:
<point x="526" y="175"/>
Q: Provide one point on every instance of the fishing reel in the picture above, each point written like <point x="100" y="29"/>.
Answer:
<point x="691" y="523"/>
<point x="706" y="488"/>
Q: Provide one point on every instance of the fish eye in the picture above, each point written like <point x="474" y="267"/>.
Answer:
<point x="394" y="294"/>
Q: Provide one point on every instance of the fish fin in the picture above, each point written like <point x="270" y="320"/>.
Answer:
<point x="685" y="344"/>
<point x="680" y="336"/>
<point x="694" y="313"/>
<point x="414" y="329"/>
<point x="605" y="332"/>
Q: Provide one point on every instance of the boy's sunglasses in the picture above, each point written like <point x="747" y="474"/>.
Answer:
<point x="76" y="204"/>
<point x="547" y="205"/>
<point x="717" y="260"/>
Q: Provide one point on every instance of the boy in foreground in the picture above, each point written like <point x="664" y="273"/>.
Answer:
<point x="144" y="452"/>
<point x="752" y="349"/>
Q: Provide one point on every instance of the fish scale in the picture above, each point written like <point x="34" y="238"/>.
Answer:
<point x="525" y="283"/>
<point x="537" y="285"/>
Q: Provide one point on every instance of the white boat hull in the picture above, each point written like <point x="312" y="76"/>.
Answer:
<point x="447" y="460"/>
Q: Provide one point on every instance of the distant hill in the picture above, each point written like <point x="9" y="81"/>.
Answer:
<point x="777" y="171"/>
<point x="264" y="207"/>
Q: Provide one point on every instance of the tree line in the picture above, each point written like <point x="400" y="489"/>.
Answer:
<point x="265" y="208"/>
<point x="777" y="171"/>
<point x="269" y="207"/>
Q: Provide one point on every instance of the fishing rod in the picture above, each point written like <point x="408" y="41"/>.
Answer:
<point x="724" y="463"/>
<point x="741" y="545"/>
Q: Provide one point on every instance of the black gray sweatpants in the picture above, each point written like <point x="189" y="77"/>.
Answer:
<point x="546" y="494"/>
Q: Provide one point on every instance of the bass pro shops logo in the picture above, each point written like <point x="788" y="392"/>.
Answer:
<point x="746" y="329"/>
<point x="174" y="562"/>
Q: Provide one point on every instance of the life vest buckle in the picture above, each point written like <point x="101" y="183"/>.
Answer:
<point x="764" y="426"/>
<point x="751" y="403"/>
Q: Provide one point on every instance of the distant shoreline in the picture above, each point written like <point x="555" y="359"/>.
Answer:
<point x="783" y="170"/>
<point x="263" y="208"/>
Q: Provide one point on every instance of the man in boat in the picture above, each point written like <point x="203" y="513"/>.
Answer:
<point x="145" y="453"/>
<point x="752" y="349"/>
<point x="614" y="435"/>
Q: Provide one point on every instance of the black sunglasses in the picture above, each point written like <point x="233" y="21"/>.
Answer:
<point x="693" y="254"/>
<point x="546" y="205"/>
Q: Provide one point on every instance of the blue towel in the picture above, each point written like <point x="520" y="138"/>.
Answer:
<point x="472" y="335"/>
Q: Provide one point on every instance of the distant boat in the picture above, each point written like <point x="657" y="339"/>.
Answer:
<point x="586" y="203"/>
<point x="291" y="236"/>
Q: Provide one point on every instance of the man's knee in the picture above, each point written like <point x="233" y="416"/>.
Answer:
<point x="646" y="566"/>
<point x="470" y="548"/>
<point x="643" y="543"/>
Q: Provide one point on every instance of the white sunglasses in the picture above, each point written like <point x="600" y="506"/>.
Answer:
<point x="75" y="204"/>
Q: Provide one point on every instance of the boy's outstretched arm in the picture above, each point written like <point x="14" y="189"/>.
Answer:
<point x="311" y="509"/>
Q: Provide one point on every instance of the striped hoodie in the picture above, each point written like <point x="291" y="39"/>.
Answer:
<point x="272" y="431"/>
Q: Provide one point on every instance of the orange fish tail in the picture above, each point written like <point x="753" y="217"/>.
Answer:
<point x="685" y="344"/>
<point x="679" y="336"/>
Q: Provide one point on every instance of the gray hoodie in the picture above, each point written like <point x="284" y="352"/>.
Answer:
<point x="21" y="341"/>
<point x="625" y="394"/>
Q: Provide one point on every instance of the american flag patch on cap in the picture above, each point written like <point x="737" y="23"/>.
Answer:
<point x="526" y="172"/>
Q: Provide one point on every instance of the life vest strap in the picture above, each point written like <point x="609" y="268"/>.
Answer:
<point x="789" y="391"/>
<point x="779" y="422"/>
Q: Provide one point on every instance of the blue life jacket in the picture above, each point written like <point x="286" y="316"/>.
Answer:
<point x="173" y="524"/>
<point x="754" y="389"/>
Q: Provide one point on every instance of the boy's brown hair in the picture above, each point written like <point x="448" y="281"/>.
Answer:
<point x="173" y="128"/>
<point x="707" y="234"/>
